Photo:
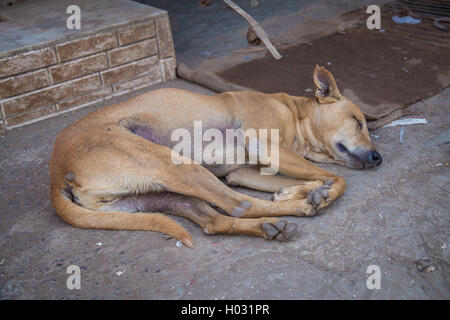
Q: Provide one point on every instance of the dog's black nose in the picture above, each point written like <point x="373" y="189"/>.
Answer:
<point x="375" y="158"/>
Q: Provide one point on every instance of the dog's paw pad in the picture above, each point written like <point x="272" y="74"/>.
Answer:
<point x="315" y="196"/>
<point x="313" y="210"/>
<point x="280" y="231"/>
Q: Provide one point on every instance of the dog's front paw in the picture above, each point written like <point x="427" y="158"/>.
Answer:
<point x="316" y="196"/>
<point x="280" y="231"/>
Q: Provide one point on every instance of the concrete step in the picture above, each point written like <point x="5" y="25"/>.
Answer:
<point x="47" y="69"/>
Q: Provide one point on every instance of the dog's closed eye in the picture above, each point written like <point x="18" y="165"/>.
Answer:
<point x="342" y="148"/>
<point x="358" y="122"/>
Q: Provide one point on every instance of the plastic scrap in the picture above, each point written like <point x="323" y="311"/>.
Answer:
<point x="406" y="19"/>
<point x="119" y="273"/>
<point x="406" y="122"/>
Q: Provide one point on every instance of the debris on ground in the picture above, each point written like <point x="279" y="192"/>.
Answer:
<point x="179" y="244"/>
<point x="438" y="23"/>
<point x="225" y="248"/>
<point x="204" y="3"/>
<point x="119" y="273"/>
<point x="401" y="134"/>
<point x="406" y="19"/>
<point x="440" y="164"/>
<point x="425" y="265"/>
<point x="406" y="122"/>
<point x="344" y="27"/>
<point x="98" y="244"/>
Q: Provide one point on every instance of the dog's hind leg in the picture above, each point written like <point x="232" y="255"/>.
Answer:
<point x="211" y="221"/>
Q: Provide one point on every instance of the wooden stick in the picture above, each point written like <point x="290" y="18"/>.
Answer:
<point x="256" y="27"/>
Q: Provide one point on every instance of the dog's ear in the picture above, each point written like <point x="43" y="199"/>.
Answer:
<point x="327" y="90"/>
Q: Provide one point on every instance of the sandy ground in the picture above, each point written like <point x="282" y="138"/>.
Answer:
<point x="390" y="216"/>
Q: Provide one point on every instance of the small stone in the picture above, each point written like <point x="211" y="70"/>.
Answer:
<point x="425" y="265"/>
<point x="119" y="273"/>
<point x="204" y="3"/>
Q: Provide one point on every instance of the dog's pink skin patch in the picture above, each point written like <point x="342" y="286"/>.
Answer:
<point x="152" y="202"/>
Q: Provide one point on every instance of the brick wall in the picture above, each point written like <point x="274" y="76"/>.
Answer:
<point x="43" y="83"/>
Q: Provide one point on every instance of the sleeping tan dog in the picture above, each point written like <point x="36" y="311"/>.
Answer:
<point x="115" y="168"/>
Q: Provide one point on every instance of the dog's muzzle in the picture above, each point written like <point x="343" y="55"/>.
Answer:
<point x="368" y="158"/>
<point x="375" y="158"/>
<point x="360" y="158"/>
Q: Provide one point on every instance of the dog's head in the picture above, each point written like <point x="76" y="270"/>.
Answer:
<point x="340" y="126"/>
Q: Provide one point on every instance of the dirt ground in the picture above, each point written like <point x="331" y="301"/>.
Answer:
<point x="390" y="216"/>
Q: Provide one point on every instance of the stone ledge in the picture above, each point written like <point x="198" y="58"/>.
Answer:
<point x="77" y="71"/>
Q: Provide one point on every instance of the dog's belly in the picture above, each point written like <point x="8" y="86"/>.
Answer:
<point x="152" y="202"/>
<point x="223" y="151"/>
<point x="221" y="170"/>
<point x="162" y="202"/>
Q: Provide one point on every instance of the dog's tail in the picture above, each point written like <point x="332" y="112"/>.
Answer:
<point x="85" y="218"/>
